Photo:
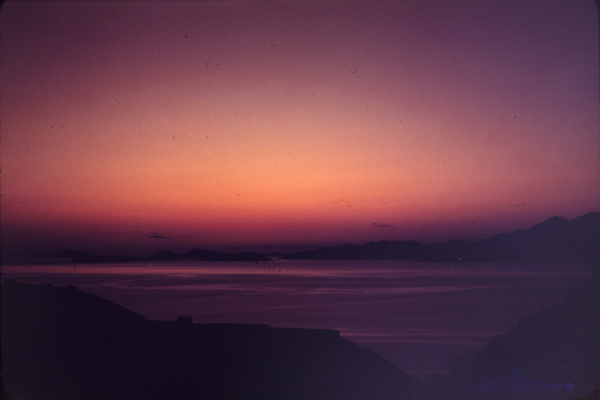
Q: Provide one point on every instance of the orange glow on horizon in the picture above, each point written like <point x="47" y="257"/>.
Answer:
<point x="380" y="121"/>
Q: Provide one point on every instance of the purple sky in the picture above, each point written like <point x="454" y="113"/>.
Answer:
<point x="222" y="124"/>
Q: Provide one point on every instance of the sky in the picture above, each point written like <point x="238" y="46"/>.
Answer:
<point x="131" y="127"/>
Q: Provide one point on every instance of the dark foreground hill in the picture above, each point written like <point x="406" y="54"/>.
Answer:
<point x="60" y="343"/>
<point x="554" y="240"/>
<point x="554" y="354"/>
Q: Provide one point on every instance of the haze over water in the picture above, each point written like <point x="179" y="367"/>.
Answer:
<point x="417" y="315"/>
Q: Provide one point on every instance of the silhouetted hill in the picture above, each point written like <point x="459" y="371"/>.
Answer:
<point x="207" y="255"/>
<point x="370" y="251"/>
<point x="554" y="354"/>
<point x="593" y="395"/>
<point x="192" y="255"/>
<point x="165" y="255"/>
<point x="60" y="343"/>
<point x="554" y="240"/>
<point x="88" y="258"/>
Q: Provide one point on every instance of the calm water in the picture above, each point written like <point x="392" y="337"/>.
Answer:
<point x="417" y="315"/>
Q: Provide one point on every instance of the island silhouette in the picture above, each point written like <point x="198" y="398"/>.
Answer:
<point x="553" y="240"/>
<point x="75" y="256"/>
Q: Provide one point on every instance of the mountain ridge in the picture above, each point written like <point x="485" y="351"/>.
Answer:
<point x="553" y="240"/>
<point x="196" y="254"/>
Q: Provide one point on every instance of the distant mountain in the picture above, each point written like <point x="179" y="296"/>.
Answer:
<point x="63" y="344"/>
<point x="88" y="258"/>
<point x="166" y="255"/>
<point x="554" y="240"/>
<point x="553" y="354"/>
<point x="206" y="255"/>
<point x="370" y="251"/>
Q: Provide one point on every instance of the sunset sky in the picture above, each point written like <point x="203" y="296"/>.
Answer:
<point x="131" y="127"/>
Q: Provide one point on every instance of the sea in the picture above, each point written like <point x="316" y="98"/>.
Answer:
<point x="417" y="315"/>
